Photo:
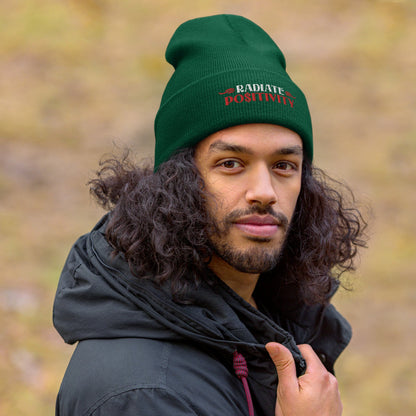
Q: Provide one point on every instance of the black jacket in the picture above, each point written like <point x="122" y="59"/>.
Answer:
<point x="140" y="353"/>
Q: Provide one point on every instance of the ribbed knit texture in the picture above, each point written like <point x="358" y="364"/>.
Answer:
<point x="228" y="71"/>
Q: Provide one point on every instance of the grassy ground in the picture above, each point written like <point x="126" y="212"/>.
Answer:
<point x="78" y="76"/>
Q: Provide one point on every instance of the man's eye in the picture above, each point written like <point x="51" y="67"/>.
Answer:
<point x="284" y="166"/>
<point x="230" y="164"/>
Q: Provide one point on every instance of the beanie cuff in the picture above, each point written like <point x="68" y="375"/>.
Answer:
<point x="226" y="99"/>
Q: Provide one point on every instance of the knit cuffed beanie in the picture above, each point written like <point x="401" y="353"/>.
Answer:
<point x="228" y="71"/>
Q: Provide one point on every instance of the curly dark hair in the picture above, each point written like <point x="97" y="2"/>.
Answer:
<point x="159" y="223"/>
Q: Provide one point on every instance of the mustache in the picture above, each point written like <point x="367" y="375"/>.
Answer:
<point x="233" y="216"/>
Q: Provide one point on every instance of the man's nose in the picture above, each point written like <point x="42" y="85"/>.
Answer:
<point x="260" y="187"/>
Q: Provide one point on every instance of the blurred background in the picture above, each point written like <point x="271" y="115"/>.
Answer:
<point x="80" y="78"/>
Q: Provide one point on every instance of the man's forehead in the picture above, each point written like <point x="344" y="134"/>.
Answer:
<point x="250" y="137"/>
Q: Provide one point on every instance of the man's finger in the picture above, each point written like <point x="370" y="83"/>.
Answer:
<point x="313" y="363"/>
<point x="284" y="363"/>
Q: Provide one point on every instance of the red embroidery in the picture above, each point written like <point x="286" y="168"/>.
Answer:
<point x="229" y="91"/>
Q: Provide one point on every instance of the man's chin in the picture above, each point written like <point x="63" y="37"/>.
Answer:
<point x="260" y="240"/>
<point x="254" y="261"/>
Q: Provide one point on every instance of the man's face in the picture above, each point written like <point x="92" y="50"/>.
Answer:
<point x="253" y="176"/>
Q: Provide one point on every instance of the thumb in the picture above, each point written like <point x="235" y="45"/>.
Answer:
<point x="284" y="363"/>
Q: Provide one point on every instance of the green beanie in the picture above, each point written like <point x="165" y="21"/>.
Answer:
<point x="228" y="71"/>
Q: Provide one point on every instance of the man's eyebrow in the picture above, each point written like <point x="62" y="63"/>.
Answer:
<point x="290" y="150"/>
<point x="220" y="145"/>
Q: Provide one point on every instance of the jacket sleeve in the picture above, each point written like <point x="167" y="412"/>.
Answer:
<point x="143" y="401"/>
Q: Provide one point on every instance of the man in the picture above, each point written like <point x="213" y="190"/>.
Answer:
<point x="206" y="288"/>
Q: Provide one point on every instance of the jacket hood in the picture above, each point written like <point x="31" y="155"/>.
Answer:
<point x="98" y="297"/>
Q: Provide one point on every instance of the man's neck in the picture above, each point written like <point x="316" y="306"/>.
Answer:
<point x="241" y="283"/>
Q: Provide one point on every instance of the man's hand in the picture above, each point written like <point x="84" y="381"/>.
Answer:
<point x="313" y="394"/>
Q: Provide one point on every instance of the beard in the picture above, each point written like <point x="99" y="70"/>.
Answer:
<point x="253" y="260"/>
<point x="259" y="258"/>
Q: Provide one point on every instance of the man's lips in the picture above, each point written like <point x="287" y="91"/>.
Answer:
<point x="261" y="226"/>
<point x="258" y="220"/>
